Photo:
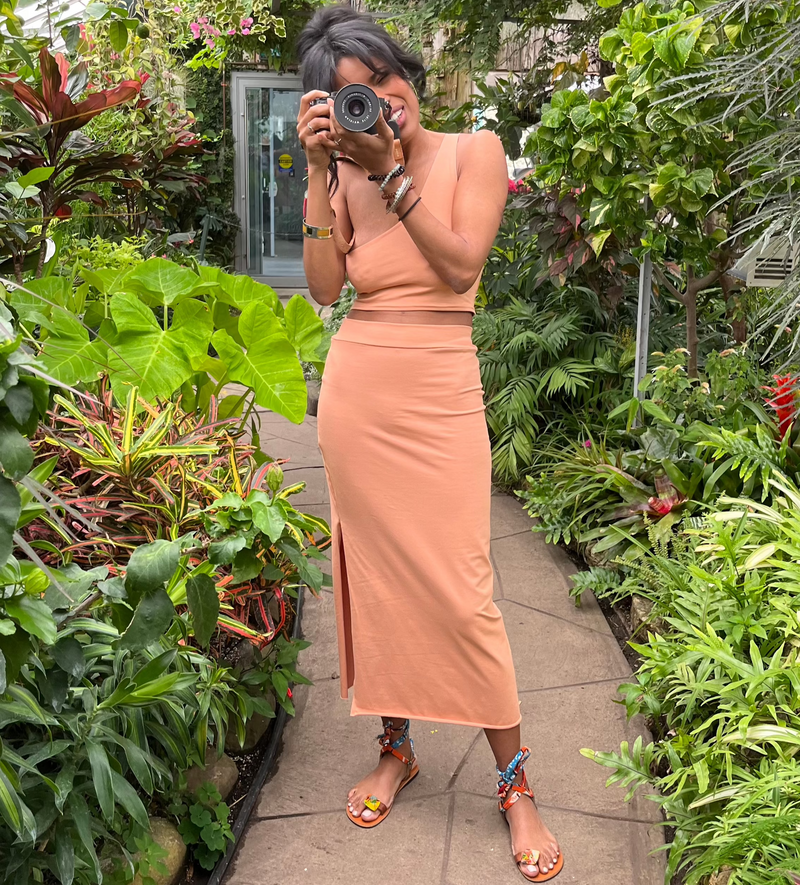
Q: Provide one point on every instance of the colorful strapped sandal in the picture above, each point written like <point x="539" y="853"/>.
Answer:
<point x="389" y="746"/>
<point x="509" y="793"/>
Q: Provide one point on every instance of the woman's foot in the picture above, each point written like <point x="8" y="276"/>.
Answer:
<point x="384" y="780"/>
<point x="528" y="831"/>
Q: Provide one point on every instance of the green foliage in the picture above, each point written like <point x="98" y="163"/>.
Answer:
<point x="204" y="825"/>
<point x="545" y="362"/>
<point x="601" y="492"/>
<point x="719" y="686"/>
<point x="155" y="323"/>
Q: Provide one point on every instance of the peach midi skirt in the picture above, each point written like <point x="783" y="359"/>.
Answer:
<point x="407" y="457"/>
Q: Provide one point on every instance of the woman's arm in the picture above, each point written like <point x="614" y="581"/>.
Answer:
<point x="458" y="255"/>
<point x="323" y="260"/>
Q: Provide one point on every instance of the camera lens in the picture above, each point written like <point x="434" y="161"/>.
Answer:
<point x="356" y="108"/>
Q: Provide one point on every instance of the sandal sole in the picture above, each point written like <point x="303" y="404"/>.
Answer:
<point x="368" y="824"/>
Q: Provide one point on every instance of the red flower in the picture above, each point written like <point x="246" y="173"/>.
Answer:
<point x="784" y="401"/>
<point x="289" y="693"/>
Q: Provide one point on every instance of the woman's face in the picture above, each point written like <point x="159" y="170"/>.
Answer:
<point x="397" y="91"/>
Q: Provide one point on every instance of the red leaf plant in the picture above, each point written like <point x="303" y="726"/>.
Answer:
<point x="50" y="114"/>
<point x="784" y="401"/>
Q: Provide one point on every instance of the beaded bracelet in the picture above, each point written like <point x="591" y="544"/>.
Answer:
<point x="393" y="174"/>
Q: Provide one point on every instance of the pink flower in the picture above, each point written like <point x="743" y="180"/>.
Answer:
<point x="231" y="31"/>
<point x="176" y="9"/>
<point x="587" y="444"/>
<point x="164" y="255"/>
<point x="245" y="31"/>
<point x="512" y="186"/>
<point x="210" y="43"/>
<point x="195" y="29"/>
<point x="203" y="20"/>
<point x="246" y="22"/>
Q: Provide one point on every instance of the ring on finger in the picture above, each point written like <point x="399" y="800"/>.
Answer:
<point x="311" y="127"/>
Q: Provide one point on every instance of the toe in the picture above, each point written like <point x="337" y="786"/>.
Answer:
<point x="368" y="814"/>
<point x="531" y="870"/>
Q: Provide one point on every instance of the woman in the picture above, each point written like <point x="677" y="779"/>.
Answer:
<point x="401" y="419"/>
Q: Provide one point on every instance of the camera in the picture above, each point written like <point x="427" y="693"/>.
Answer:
<point x="357" y="108"/>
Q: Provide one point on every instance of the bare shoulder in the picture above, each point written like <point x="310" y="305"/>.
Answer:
<point x="482" y="149"/>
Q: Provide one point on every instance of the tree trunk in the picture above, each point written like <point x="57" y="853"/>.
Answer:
<point x="732" y="307"/>
<point x="691" y="330"/>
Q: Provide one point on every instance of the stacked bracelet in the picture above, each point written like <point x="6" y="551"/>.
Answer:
<point x="404" y="188"/>
<point x="385" y="179"/>
<point x="401" y="217"/>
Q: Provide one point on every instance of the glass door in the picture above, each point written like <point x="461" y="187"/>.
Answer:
<point x="271" y="174"/>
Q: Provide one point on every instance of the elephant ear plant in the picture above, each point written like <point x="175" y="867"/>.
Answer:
<point x="169" y="329"/>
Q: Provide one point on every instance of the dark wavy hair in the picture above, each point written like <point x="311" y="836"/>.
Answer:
<point x="338" y="32"/>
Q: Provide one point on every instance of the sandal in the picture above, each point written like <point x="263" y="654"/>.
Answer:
<point x="509" y="793"/>
<point x="389" y="746"/>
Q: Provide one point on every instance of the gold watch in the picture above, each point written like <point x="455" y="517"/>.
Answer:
<point x="317" y="233"/>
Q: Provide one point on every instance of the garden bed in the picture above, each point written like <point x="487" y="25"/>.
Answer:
<point x="254" y="769"/>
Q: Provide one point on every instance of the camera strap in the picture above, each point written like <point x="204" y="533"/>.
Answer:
<point x="398" y="152"/>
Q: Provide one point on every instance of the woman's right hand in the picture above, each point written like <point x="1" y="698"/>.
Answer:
<point x="319" y="143"/>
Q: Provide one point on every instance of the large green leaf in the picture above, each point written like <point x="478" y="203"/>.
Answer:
<point x="201" y="595"/>
<point x="16" y="454"/>
<point x="39" y="301"/>
<point x="269" y="364"/>
<point x="101" y="777"/>
<point x="674" y="45"/>
<point x="68" y="654"/>
<point x="33" y="615"/>
<point x="303" y="327"/>
<point x="14" y="811"/>
<point x="69" y="356"/>
<point x="240" y="290"/>
<point x="161" y="282"/>
<point x="128" y="799"/>
<point x="150" y="621"/>
<point x="151" y="566"/>
<point x="156" y="360"/>
<point x="108" y="280"/>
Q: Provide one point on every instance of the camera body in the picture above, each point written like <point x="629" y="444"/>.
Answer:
<point x="357" y="108"/>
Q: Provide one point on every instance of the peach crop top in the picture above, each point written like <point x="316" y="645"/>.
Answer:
<point x="389" y="271"/>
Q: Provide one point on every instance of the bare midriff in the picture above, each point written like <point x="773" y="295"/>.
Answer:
<point x="441" y="317"/>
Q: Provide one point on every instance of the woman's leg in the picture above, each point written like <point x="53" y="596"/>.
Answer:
<point x="527" y="828"/>
<point x="384" y="780"/>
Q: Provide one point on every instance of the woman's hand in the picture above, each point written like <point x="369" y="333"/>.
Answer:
<point x="375" y="153"/>
<point x="318" y="143"/>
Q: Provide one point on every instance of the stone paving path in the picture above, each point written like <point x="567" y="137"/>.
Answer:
<point x="445" y="828"/>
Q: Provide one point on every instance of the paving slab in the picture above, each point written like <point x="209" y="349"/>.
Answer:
<point x="445" y="828"/>
<point x="521" y="556"/>
<point x="596" y="849"/>
<point x="327" y="849"/>
<point x="551" y="651"/>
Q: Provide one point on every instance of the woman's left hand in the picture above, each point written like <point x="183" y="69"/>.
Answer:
<point x="375" y="153"/>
